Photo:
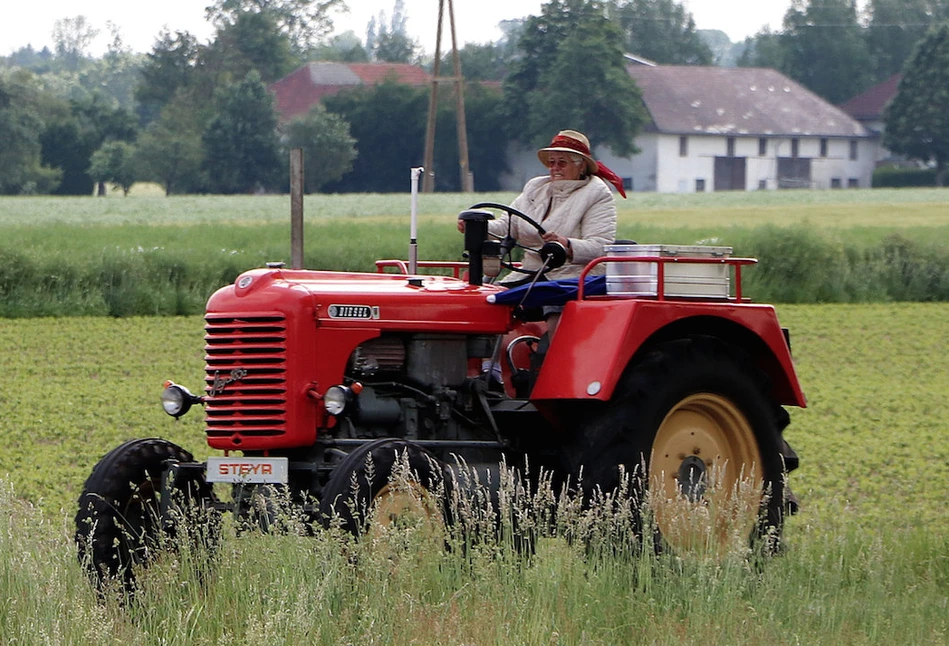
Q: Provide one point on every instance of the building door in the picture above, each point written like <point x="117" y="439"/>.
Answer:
<point x="729" y="173"/>
<point x="794" y="172"/>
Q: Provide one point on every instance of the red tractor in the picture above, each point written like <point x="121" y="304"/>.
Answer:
<point x="669" y="372"/>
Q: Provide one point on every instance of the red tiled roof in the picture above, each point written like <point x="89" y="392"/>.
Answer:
<point x="736" y="101"/>
<point x="297" y="92"/>
<point x="869" y="105"/>
<point x="379" y="72"/>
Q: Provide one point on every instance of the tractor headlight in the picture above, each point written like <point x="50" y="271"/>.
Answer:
<point x="177" y="400"/>
<point x="337" y="400"/>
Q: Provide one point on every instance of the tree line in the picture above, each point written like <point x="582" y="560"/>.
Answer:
<point x="198" y="117"/>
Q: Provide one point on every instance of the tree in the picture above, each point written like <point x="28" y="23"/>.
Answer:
<point x="917" y="123"/>
<point x="305" y="22"/>
<point x="824" y="50"/>
<point x="72" y="37"/>
<point x="240" y="143"/>
<point x="170" y="151"/>
<point x="388" y="123"/>
<point x="113" y="162"/>
<point x="328" y="147"/>
<point x="169" y="67"/>
<point x="662" y="31"/>
<point x="894" y="28"/>
<point x="572" y="74"/>
<point x="22" y="110"/>
<point x="392" y="43"/>
<point x="251" y="42"/>
<point x="487" y="159"/>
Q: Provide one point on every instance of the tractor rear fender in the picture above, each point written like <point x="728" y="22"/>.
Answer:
<point x="597" y="339"/>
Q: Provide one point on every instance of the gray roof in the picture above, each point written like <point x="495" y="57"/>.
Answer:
<point x="735" y="101"/>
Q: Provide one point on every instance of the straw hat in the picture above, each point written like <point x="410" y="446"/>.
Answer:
<point x="570" y="141"/>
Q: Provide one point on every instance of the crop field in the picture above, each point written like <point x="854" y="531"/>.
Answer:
<point x="867" y="558"/>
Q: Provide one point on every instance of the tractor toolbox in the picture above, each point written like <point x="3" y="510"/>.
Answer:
<point x="683" y="280"/>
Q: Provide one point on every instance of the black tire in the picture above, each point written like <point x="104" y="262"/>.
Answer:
<point x="363" y="477"/>
<point x="695" y="392"/>
<point x="121" y="523"/>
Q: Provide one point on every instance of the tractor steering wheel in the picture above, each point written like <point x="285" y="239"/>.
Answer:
<point x="553" y="253"/>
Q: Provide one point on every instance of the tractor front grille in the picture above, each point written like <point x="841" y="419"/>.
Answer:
<point x="245" y="376"/>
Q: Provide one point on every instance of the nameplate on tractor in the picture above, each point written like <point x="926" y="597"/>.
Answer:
<point x="248" y="470"/>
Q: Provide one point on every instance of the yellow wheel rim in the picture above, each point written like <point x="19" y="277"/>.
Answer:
<point x="705" y="475"/>
<point x="406" y="506"/>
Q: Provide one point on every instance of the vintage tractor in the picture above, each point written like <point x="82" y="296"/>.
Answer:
<point x="660" y="367"/>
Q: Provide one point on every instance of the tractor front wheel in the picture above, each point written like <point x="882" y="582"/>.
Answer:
<point x="387" y="484"/>
<point x="123" y="520"/>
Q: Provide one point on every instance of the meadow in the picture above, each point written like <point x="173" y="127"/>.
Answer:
<point x="866" y="559"/>
<point x="153" y="255"/>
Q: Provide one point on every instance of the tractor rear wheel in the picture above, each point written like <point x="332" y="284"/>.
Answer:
<point x="385" y="484"/>
<point x="123" y="522"/>
<point x="693" y="425"/>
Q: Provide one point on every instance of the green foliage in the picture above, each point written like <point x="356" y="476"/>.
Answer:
<point x="894" y="29"/>
<point x="304" y="22"/>
<point x="113" y="162"/>
<point x="889" y="177"/>
<point x="662" y="31"/>
<point x="572" y="74"/>
<point x="170" y="66"/>
<point x="22" y="122"/>
<point x="251" y="41"/>
<point x="917" y="123"/>
<point x="170" y="150"/>
<point x="240" y="142"/>
<point x="388" y="122"/>
<point x="328" y="148"/>
<point x="824" y="49"/>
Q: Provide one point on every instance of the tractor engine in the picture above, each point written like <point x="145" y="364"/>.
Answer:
<point x="415" y="386"/>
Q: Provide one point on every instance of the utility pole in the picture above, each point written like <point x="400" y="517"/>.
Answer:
<point x="428" y="180"/>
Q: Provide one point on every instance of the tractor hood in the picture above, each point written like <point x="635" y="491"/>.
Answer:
<point x="378" y="300"/>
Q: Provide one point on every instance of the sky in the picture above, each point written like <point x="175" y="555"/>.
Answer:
<point x="30" y="22"/>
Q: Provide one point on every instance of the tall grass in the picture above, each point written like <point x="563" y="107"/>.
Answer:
<point x="836" y="586"/>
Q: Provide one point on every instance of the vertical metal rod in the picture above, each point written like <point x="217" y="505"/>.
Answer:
<point x="467" y="181"/>
<point x="296" y="208"/>
<point x="413" y="227"/>
<point x="428" y="182"/>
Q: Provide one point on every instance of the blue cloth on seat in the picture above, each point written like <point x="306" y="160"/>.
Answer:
<point x="549" y="292"/>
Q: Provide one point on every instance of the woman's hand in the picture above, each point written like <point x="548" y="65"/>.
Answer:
<point x="551" y="236"/>
<point x="461" y="225"/>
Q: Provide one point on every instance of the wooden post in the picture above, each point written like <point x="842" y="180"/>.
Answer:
<point x="296" y="208"/>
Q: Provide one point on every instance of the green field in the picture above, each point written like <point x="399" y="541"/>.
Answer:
<point x="867" y="559"/>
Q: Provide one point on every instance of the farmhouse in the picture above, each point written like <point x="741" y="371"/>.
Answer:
<point x="303" y="88"/>
<point x="868" y="107"/>
<point x="717" y="128"/>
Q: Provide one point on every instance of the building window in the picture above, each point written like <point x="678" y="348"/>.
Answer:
<point x="762" y="184"/>
<point x="683" y="146"/>
<point x="795" y="148"/>
<point x="762" y="146"/>
<point x="853" y="182"/>
<point x="730" y="147"/>
<point x="700" y="186"/>
<point x="853" y="150"/>
<point x="835" y="182"/>
<point x="823" y="146"/>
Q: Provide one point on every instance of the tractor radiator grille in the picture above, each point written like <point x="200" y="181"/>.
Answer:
<point x="246" y="375"/>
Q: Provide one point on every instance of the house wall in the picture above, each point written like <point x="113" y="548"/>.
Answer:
<point x="659" y="167"/>
<point x="677" y="174"/>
